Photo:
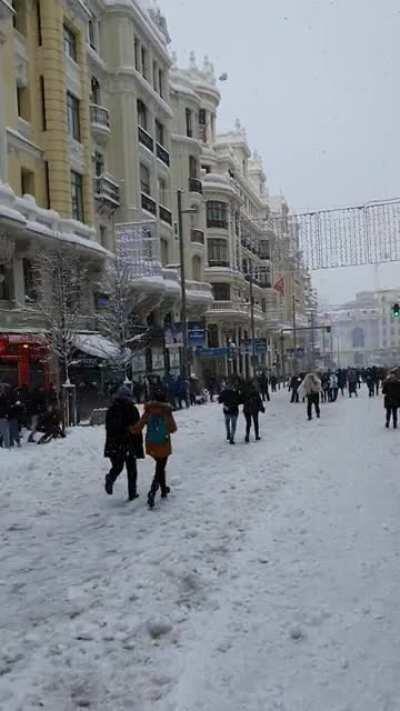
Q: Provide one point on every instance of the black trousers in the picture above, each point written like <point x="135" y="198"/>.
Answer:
<point x="313" y="399"/>
<point x="249" y="419"/>
<point x="391" y="412"/>
<point x="159" y="477"/>
<point x="117" y="465"/>
<point x="295" y="396"/>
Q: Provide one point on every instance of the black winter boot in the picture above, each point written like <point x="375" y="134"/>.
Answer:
<point x="108" y="485"/>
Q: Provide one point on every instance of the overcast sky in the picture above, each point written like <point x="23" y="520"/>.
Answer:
<point x="316" y="84"/>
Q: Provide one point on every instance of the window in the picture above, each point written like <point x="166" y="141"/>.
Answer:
<point x="206" y="168"/>
<point x="193" y="167"/>
<point x="137" y="54"/>
<point x="43" y="103"/>
<point x="92" y="34"/>
<point x="265" y="252"/>
<point x="144" y="62"/>
<point x="145" y="179"/>
<point x="47" y="184"/>
<point x="38" y="22"/>
<point x="217" y="214"/>
<point x="162" y="191"/>
<point x="73" y="117"/>
<point x="77" y="196"/>
<point x="27" y="182"/>
<point x="237" y="224"/>
<point x="103" y="236"/>
<point x="23" y="105"/>
<point x="95" y="96"/>
<point x="213" y="338"/>
<point x="221" y="292"/>
<point x="19" y="17"/>
<point x="159" y="133"/>
<point x="98" y="164"/>
<point x="30" y="290"/>
<point x="142" y="114"/>
<point x="161" y="83"/>
<point x="203" y="125"/>
<point x="4" y="283"/>
<point x="155" y="76"/>
<point x="70" y="44"/>
<point x="196" y="268"/>
<point x="189" y="123"/>
<point x="218" y="253"/>
<point x="358" y="338"/>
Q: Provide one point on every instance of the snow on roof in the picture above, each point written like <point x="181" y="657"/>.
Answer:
<point x="97" y="346"/>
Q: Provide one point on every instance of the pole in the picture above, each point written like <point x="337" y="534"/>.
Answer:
<point x="282" y="357"/>
<point x="294" y="333"/>
<point x="312" y="339"/>
<point x="252" y="323"/>
<point x="185" y="344"/>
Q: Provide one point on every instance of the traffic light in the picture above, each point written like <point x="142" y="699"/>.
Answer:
<point x="396" y="310"/>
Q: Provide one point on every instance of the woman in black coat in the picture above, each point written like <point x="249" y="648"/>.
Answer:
<point x="252" y="406"/>
<point x="122" y="446"/>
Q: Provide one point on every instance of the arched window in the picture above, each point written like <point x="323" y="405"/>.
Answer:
<point x="196" y="268"/>
<point x="358" y="338"/>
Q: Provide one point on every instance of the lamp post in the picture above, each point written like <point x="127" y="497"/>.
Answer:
<point x="185" y="338"/>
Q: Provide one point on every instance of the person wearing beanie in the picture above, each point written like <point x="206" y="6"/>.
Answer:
<point x="123" y="446"/>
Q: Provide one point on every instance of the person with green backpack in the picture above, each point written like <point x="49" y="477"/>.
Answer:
<point x="160" y="424"/>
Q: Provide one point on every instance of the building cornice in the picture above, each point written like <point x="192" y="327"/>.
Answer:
<point x="143" y="20"/>
<point x="131" y="74"/>
<point x="17" y="141"/>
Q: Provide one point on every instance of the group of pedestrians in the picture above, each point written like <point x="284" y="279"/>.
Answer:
<point x="245" y="393"/>
<point x="32" y="409"/>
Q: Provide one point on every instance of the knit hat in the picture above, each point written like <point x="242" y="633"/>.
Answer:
<point x="123" y="393"/>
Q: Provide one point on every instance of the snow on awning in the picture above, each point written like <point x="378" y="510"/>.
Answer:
<point x="95" y="345"/>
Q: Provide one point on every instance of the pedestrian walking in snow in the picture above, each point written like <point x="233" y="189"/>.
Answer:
<point x="333" y="387"/>
<point x="160" y="424"/>
<point x="4" y="421"/>
<point x="123" y="446"/>
<point x="294" y="388"/>
<point x="311" y="389"/>
<point x="230" y="399"/>
<point x="391" y="392"/>
<point x="353" y="383"/>
<point x="252" y="406"/>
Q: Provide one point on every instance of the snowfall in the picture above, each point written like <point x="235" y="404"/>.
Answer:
<point x="268" y="581"/>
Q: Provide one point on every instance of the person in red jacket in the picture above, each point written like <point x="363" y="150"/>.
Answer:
<point x="160" y="424"/>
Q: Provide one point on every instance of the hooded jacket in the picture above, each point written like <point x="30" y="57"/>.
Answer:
<point x="163" y="409"/>
<point x="121" y="416"/>
<point x="311" y="385"/>
<point x="391" y="391"/>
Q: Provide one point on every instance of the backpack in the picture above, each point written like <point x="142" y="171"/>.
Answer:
<point x="157" y="431"/>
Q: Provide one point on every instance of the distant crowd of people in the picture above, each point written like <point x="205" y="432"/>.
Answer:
<point x="35" y="410"/>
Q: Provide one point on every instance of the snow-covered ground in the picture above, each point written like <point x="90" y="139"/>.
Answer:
<point x="269" y="581"/>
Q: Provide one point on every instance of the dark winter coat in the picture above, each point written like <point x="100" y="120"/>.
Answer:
<point x="391" y="391"/>
<point x="4" y="406"/>
<point x="163" y="409"/>
<point x="121" y="417"/>
<point x="230" y="399"/>
<point x="252" y="403"/>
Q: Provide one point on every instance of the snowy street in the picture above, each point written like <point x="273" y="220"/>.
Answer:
<point x="269" y="581"/>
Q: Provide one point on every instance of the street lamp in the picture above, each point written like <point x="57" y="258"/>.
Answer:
<point x="185" y="339"/>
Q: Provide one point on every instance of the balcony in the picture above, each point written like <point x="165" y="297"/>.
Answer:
<point x="219" y="263"/>
<point x="195" y="186"/>
<point x="148" y="204"/>
<point x="236" y="307"/>
<point x="197" y="236"/>
<point x="165" y="214"/>
<point x="145" y="139"/>
<point x="106" y="193"/>
<point x="100" y="122"/>
<point x="163" y="154"/>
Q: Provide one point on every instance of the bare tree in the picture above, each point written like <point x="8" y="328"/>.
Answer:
<point x="59" y="278"/>
<point x="117" y="321"/>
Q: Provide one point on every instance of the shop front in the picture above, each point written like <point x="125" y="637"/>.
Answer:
<point x="24" y="360"/>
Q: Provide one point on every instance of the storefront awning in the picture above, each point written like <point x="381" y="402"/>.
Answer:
<point x="97" y="346"/>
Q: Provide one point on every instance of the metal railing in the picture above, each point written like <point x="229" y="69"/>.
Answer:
<point x="163" y="154"/>
<point x="165" y="214"/>
<point x="195" y="186"/>
<point x="107" y="189"/>
<point x="148" y="204"/>
<point x="230" y="306"/>
<point x="100" y="116"/>
<point x="145" y="139"/>
<point x="197" y="236"/>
